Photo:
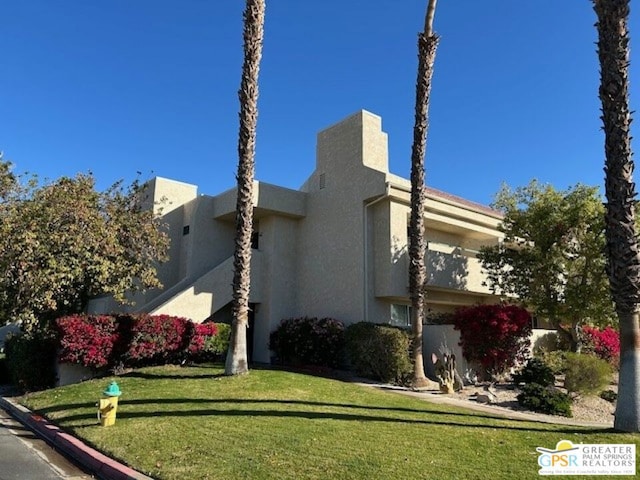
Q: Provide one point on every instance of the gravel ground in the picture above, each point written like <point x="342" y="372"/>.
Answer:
<point x="585" y="409"/>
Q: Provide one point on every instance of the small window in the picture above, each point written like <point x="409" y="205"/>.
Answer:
<point x="185" y="230"/>
<point x="255" y="235"/>
<point x="400" y="315"/>
<point x="323" y="181"/>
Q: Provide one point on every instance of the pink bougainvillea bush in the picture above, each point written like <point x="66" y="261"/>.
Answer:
<point x="198" y="340"/>
<point x="604" y="343"/>
<point x="157" y="339"/>
<point x="496" y="337"/>
<point x="99" y="341"/>
<point x="87" y="340"/>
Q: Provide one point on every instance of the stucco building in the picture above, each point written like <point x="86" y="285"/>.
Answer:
<point x="335" y="248"/>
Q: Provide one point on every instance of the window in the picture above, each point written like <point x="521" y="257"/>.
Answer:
<point x="400" y="315"/>
<point x="185" y="230"/>
<point x="255" y="235"/>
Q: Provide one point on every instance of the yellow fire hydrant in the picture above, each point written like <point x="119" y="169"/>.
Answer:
<point x="107" y="407"/>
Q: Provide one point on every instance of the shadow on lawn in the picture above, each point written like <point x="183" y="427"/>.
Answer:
<point x="165" y="376"/>
<point x="244" y="401"/>
<point x="310" y="415"/>
<point x="497" y="422"/>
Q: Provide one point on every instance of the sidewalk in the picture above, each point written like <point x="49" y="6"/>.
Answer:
<point x="90" y="459"/>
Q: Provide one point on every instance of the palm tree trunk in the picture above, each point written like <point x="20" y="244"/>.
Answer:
<point x="427" y="44"/>
<point x="622" y="246"/>
<point x="253" y="34"/>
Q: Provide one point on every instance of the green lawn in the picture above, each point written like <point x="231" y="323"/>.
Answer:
<point x="195" y="423"/>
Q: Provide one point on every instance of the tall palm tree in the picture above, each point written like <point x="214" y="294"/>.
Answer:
<point x="622" y="243"/>
<point x="253" y="35"/>
<point x="427" y="44"/>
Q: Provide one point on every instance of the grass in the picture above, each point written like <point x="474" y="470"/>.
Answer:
<point x="195" y="423"/>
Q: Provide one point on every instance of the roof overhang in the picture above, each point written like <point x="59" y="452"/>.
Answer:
<point x="268" y="200"/>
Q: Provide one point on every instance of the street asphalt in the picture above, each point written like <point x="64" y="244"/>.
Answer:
<point x="24" y="456"/>
<point x="32" y="448"/>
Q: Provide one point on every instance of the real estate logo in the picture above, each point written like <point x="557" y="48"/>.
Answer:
<point x="587" y="459"/>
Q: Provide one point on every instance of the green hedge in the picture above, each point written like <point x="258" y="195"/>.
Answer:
<point x="30" y="360"/>
<point x="4" y="373"/>
<point x="215" y="347"/>
<point x="379" y="352"/>
<point x="308" y="341"/>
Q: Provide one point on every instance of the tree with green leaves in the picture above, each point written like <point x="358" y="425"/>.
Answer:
<point x="237" y="362"/>
<point x="63" y="242"/>
<point x="622" y="248"/>
<point x="427" y="45"/>
<point x="7" y="178"/>
<point x="552" y="257"/>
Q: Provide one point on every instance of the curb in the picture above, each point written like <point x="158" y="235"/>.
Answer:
<point x="89" y="458"/>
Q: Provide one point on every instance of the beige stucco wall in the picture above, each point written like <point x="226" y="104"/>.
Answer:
<point x="453" y="271"/>
<point x="279" y="248"/>
<point x="331" y="236"/>
<point x="336" y="248"/>
<point x="267" y="199"/>
<point x="209" y="241"/>
<point x="356" y="232"/>
<point x="164" y="195"/>
<point x="200" y="298"/>
<point x="441" y="339"/>
<point x="444" y="338"/>
<point x="391" y="249"/>
<point x="169" y="198"/>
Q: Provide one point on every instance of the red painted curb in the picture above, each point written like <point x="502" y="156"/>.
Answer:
<point x="92" y="460"/>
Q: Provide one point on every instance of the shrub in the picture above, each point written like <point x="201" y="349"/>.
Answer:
<point x="203" y="340"/>
<point x="439" y="318"/>
<point x="130" y="340"/>
<point x="494" y="336"/>
<point x="609" y="396"/>
<point x="379" y="352"/>
<point x="603" y="343"/>
<point x="554" y="360"/>
<point x="586" y="374"/>
<point x="215" y="347"/>
<point x="87" y="340"/>
<point x="30" y="360"/>
<point x="200" y="334"/>
<point x="550" y="400"/>
<point x="4" y="372"/>
<point x="308" y="341"/>
<point x="535" y="371"/>
<point x="158" y="339"/>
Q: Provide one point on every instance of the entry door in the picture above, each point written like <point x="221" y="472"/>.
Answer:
<point x="251" y="329"/>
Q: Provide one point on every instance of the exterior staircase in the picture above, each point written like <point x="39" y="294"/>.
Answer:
<point x="204" y="295"/>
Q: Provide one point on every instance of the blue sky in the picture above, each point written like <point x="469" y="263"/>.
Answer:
<point x="123" y="86"/>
